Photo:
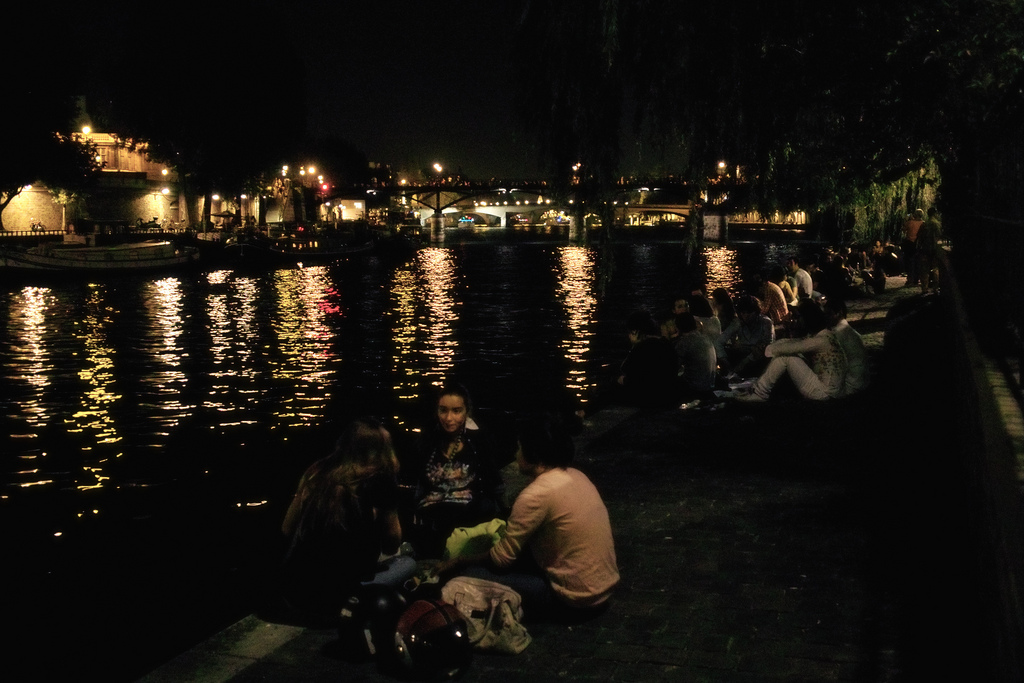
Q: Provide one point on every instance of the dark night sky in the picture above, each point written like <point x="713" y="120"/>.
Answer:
<point x="411" y="83"/>
<point x="407" y="82"/>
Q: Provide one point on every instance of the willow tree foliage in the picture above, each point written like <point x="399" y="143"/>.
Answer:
<point x="816" y="101"/>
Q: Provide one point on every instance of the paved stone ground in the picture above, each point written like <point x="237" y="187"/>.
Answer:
<point x="752" y="544"/>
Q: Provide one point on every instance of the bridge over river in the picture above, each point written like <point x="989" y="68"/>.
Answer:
<point x="504" y="204"/>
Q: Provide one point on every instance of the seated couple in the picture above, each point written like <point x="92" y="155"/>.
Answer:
<point x="557" y="551"/>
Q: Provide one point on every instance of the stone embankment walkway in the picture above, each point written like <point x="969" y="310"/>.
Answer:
<point x="753" y="546"/>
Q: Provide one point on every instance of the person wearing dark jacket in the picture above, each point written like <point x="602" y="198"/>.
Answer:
<point x="648" y="374"/>
<point x="459" y="484"/>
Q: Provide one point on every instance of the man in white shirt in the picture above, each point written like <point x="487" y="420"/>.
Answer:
<point x="804" y="283"/>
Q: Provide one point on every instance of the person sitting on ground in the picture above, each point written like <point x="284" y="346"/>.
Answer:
<point x="647" y="376"/>
<point x="680" y="304"/>
<point x="558" y="552"/>
<point x="740" y="348"/>
<point x="814" y="265"/>
<point x="667" y="324"/>
<point x="777" y="274"/>
<point x="707" y="322"/>
<point x="858" y="258"/>
<point x="773" y="300"/>
<point x="891" y="259"/>
<point x="697" y="359"/>
<point x="804" y="283"/>
<point x="874" y="279"/>
<point x="820" y="378"/>
<point x="836" y="278"/>
<point x="459" y="482"/>
<point x="858" y="372"/>
<point x="341" y="521"/>
<point x="723" y="306"/>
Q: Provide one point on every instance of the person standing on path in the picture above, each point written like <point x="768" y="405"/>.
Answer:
<point x="910" y="229"/>
<point x="928" y="249"/>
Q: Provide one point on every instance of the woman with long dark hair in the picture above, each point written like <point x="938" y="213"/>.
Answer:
<point x="343" y="520"/>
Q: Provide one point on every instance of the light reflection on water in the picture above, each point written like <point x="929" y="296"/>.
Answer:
<point x="28" y="322"/>
<point x="93" y="417"/>
<point x="304" y="354"/>
<point x="723" y="268"/>
<point x="403" y="329"/>
<point x="166" y="382"/>
<point x="576" y="293"/>
<point x="438" y="270"/>
<point x="231" y="305"/>
<point x="423" y="310"/>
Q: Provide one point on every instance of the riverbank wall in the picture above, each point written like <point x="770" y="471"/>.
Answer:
<point x="991" y="445"/>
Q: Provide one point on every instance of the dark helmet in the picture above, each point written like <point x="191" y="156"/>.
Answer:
<point x="367" y="621"/>
<point x="432" y="640"/>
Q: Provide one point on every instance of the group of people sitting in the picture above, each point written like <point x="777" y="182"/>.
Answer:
<point x="348" y="520"/>
<point x="782" y="325"/>
<point x="350" y="517"/>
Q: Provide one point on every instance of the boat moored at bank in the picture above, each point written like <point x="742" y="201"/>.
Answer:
<point x="293" y="250"/>
<point x="72" y="257"/>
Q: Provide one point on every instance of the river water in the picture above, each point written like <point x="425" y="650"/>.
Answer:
<point x="154" y="427"/>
